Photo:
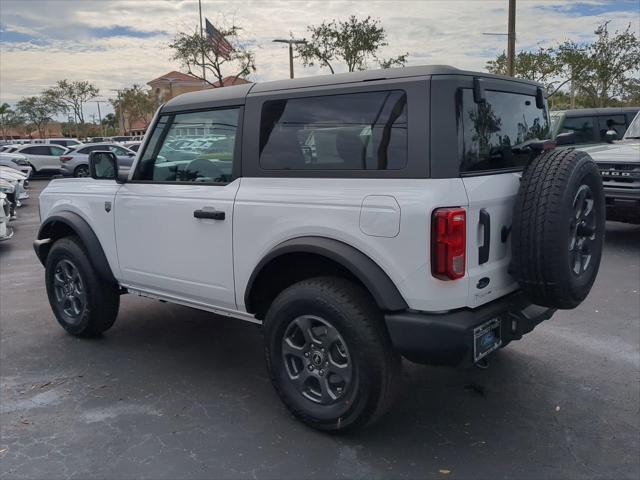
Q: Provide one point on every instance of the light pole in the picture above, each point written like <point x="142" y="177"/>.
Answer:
<point x="291" y="42"/>
<point x="511" y="39"/>
<point x="98" y="102"/>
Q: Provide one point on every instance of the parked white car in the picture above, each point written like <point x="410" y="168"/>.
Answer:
<point x="19" y="181"/>
<point x="42" y="157"/>
<point x="6" y="232"/>
<point x="16" y="161"/>
<point x="8" y="189"/>
<point x="357" y="217"/>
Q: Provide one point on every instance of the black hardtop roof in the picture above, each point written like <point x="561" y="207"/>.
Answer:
<point x="237" y="93"/>
<point x="580" y="112"/>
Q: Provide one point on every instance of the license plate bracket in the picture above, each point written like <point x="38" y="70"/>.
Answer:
<point x="486" y="338"/>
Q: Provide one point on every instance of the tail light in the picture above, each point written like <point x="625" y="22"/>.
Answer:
<point x="448" y="243"/>
<point x="65" y="158"/>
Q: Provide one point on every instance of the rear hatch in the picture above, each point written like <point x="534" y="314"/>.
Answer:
<point x="498" y="136"/>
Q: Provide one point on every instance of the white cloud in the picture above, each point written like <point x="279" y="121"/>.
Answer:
<point x="449" y="32"/>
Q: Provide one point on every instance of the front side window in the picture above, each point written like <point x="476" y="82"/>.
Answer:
<point x="611" y="122"/>
<point x="360" y="131"/>
<point x="582" y="127"/>
<point x="499" y="132"/>
<point x="208" y="157"/>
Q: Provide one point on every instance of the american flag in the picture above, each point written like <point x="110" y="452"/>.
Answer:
<point x="217" y="41"/>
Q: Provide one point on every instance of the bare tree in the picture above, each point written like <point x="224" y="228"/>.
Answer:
<point x="72" y="96"/>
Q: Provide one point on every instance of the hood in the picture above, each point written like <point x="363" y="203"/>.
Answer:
<point x="628" y="152"/>
<point x="12" y="155"/>
<point x="12" y="174"/>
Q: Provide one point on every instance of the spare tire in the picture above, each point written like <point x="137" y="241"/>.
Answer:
<point x="558" y="228"/>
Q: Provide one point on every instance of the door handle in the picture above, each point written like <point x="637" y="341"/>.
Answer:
<point x="209" y="213"/>
<point x="483" y="251"/>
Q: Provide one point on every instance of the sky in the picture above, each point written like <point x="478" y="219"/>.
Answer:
<point x="115" y="43"/>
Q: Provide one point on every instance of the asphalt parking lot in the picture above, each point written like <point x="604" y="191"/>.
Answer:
<point x="171" y="392"/>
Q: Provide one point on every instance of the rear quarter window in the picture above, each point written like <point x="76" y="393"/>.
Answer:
<point x="359" y="131"/>
<point x="497" y="134"/>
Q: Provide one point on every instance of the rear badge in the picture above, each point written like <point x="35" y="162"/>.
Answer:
<point x="483" y="282"/>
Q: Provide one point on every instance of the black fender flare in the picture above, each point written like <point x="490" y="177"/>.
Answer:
<point x="85" y="233"/>
<point x="375" y="280"/>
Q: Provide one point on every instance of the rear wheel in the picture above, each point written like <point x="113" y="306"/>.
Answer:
<point x="81" y="171"/>
<point x="83" y="304"/>
<point x="329" y="355"/>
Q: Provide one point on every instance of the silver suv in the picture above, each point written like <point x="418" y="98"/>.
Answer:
<point x="75" y="162"/>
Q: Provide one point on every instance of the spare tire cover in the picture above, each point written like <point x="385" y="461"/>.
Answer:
<point x="558" y="228"/>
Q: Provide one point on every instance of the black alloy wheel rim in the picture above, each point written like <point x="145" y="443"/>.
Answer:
<point x="316" y="359"/>
<point x="69" y="290"/>
<point x="582" y="231"/>
<point x="82" y="171"/>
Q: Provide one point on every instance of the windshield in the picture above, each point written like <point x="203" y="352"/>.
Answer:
<point x="634" y="129"/>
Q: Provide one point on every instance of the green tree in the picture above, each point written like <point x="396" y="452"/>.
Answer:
<point x="38" y="111"/>
<point x="600" y="73"/>
<point x="355" y="42"/>
<point x="110" y="124"/>
<point x="132" y="104"/>
<point x="605" y="69"/>
<point x="5" y="112"/>
<point x="195" y="51"/>
<point x="542" y="66"/>
<point x="72" y="96"/>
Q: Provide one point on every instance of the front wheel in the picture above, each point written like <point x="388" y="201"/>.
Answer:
<point x="329" y="355"/>
<point x="83" y="304"/>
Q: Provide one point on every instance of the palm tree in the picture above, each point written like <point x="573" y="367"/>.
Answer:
<point x="5" y="110"/>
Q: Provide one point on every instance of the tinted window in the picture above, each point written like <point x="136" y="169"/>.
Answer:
<point x="208" y="158"/>
<point x="498" y="133"/>
<point x="37" y="150"/>
<point x="360" y="131"/>
<point x="88" y="150"/>
<point x="58" y="142"/>
<point x="582" y="127"/>
<point x="611" y="122"/>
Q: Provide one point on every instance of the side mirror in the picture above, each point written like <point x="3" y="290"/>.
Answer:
<point x="566" y="138"/>
<point x="131" y="154"/>
<point x="103" y="165"/>
<point x="610" y="136"/>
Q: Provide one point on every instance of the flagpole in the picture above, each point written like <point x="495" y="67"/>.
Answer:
<point x="204" y="74"/>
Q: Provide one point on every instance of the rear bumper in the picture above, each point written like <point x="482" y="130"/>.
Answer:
<point x="448" y="338"/>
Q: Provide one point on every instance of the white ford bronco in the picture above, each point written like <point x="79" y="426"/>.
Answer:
<point x="359" y="218"/>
